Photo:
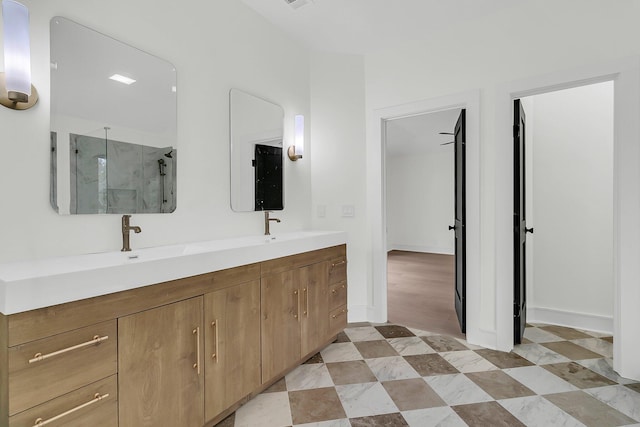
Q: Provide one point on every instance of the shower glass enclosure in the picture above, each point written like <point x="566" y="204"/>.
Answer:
<point x="116" y="177"/>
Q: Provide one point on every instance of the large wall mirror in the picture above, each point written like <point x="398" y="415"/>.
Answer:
<point x="256" y="153"/>
<point x="113" y="125"/>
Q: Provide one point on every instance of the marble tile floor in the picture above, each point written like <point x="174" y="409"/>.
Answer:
<point x="389" y="375"/>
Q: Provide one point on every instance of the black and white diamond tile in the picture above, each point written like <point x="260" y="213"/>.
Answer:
<point x="389" y="375"/>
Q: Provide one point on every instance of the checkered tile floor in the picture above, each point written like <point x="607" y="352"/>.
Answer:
<point x="389" y="375"/>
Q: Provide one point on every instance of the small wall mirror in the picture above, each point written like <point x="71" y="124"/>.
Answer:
<point x="113" y="125"/>
<point x="256" y="153"/>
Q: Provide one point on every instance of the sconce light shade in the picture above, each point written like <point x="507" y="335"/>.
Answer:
<point x="297" y="150"/>
<point x="16" y="91"/>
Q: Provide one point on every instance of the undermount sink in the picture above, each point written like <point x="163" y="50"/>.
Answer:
<point x="28" y="285"/>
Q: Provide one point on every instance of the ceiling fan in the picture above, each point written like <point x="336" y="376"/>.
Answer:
<point x="446" y="133"/>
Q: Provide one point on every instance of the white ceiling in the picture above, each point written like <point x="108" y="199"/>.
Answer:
<point x="366" y="26"/>
<point x="420" y="134"/>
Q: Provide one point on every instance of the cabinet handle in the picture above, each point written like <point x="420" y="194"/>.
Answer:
<point x="343" y="311"/>
<point x="96" y="398"/>
<point x="96" y="340"/>
<point x="335" y="264"/>
<point x="334" y="291"/>
<point x="196" y="365"/>
<point x="297" y="294"/>
<point x="214" y="325"/>
<point x="306" y="302"/>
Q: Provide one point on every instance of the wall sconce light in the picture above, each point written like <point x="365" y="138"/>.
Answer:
<point x="16" y="90"/>
<point x="296" y="150"/>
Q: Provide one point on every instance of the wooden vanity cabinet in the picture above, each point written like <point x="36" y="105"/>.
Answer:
<point x="314" y="321"/>
<point x="47" y="368"/>
<point x="181" y="353"/>
<point x="337" y="294"/>
<point x="232" y="346"/>
<point x="280" y="323"/>
<point x="161" y="377"/>
<point x="97" y="402"/>
<point x="296" y="320"/>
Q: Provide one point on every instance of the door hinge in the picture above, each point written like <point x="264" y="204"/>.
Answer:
<point x="516" y="309"/>
<point x="516" y="131"/>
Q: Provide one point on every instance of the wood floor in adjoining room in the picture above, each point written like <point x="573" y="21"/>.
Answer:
<point x="420" y="291"/>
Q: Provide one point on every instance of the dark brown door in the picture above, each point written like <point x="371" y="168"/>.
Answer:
<point x="519" y="224"/>
<point x="459" y="226"/>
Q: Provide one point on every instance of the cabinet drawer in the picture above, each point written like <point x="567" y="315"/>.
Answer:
<point x="337" y="270"/>
<point x="337" y="295"/>
<point x="47" y="368"/>
<point x="338" y="319"/>
<point x="95" y="405"/>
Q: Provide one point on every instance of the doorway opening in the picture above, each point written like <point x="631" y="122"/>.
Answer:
<point x="564" y="216"/>
<point x="420" y="187"/>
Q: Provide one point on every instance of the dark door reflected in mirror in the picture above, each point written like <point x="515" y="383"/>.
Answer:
<point x="268" y="178"/>
<point x="256" y="153"/>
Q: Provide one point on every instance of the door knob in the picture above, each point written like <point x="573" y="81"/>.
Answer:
<point x="528" y="230"/>
<point x="452" y="227"/>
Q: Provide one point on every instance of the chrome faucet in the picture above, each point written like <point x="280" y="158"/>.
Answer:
<point x="126" y="228"/>
<point x="267" y="220"/>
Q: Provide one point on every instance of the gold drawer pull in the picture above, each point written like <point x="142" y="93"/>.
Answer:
<point x="96" y="340"/>
<point x="306" y="302"/>
<point x="335" y="264"/>
<point x="339" y="314"/>
<point x="96" y="398"/>
<point x="344" y="286"/>
<point x="214" y="325"/>
<point x="196" y="365"/>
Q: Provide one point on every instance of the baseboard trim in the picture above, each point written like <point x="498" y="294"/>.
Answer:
<point x="418" y="248"/>
<point x="589" y="322"/>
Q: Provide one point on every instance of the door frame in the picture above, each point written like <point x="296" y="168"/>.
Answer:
<point x="625" y="74"/>
<point x="376" y="202"/>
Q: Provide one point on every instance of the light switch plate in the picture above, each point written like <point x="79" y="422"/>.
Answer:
<point x="348" y="211"/>
<point x="321" y="211"/>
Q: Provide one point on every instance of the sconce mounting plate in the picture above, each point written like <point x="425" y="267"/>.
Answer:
<point x="291" y="152"/>
<point x="4" y="97"/>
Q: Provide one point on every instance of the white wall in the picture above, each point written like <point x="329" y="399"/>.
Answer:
<point x="338" y="162"/>
<point x="420" y="201"/>
<point x="571" y="196"/>
<point x="530" y="39"/>
<point x="215" y="46"/>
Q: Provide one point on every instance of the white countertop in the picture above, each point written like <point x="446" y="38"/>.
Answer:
<point x="28" y="285"/>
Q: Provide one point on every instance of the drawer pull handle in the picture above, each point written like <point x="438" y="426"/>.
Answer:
<point x="335" y="264"/>
<point x="339" y="314"/>
<point x="97" y="397"/>
<point x="296" y="314"/>
<point x="306" y="302"/>
<point x="333" y="291"/>
<point x="96" y="340"/>
<point x="214" y="325"/>
<point x="196" y="365"/>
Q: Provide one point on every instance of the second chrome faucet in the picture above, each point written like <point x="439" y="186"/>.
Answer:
<point x="126" y="228"/>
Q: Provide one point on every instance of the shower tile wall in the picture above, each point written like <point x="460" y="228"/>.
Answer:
<point x="124" y="177"/>
<point x="131" y="181"/>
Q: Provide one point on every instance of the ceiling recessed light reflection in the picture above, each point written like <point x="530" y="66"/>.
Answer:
<point x="122" y="79"/>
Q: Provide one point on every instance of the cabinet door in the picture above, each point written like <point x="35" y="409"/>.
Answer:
<point x="232" y="346"/>
<point x="280" y="323"/>
<point x="314" y="317"/>
<point x="160" y="379"/>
